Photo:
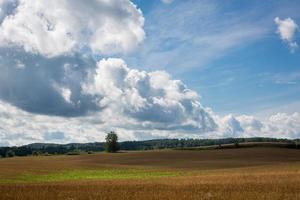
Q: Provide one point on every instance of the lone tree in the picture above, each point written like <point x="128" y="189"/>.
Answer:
<point x="111" y="145"/>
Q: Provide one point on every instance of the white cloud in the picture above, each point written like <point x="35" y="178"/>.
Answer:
<point x="284" y="125"/>
<point x="19" y="127"/>
<point x="152" y="98"/>
<point x="66" y="93"/>
<point x="138" y="105"/>
<point x="58" y="27"/>
<point x="287" y="29"/>
<point x="231" y="126"/>
<point x="280" y="125"/>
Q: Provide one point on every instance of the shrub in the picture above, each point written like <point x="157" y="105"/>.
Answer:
<point x="73" y="153"/>
<point x="35" y="153"/>
<point x="10" y="153"/>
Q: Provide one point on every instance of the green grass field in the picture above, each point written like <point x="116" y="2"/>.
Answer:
<point x="100" y="174"/>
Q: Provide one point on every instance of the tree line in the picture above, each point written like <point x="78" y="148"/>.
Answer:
<point x="112" y="145"/>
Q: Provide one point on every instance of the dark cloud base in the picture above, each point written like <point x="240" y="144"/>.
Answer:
<point x="29" y="82"/>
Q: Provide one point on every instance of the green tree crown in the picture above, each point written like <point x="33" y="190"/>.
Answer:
<point x="111" y="145"/>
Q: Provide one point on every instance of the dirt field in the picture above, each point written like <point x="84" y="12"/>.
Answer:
<point x="246" y="173"/>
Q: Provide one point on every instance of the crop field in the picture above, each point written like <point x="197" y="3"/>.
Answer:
<point x="245" y="173"/>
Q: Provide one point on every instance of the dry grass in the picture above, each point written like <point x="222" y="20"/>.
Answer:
<point x="258" y="173"/>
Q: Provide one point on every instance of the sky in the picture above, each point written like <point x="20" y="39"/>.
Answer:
<point x="73" y="70"/>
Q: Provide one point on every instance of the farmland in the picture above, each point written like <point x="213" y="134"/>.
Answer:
<point x="242" y="173"/>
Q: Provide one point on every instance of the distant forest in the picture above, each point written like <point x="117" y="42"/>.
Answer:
<point x="78" y="148"/>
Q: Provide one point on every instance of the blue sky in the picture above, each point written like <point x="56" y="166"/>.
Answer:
<point x="73" y="70"/>
<point x="243" y="68"/>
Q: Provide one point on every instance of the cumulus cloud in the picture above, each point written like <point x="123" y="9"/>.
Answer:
<point x="48" y="76"/>
<point x="20" y="127"/>
<point x="47" y="49"/>
<point x="280" y="125"/>
<point x="231" y="127"/>
<point x="60" y="27"/>
<point x="287" y="29"/>
<point x="153" y="98"/>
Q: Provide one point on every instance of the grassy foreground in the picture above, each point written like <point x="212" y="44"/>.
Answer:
<point x="257" y="173"/>
<point x="102" y="174"/>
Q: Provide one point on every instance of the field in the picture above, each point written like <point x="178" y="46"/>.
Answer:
<point x="242" y="173"/>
